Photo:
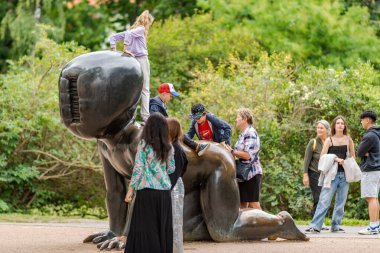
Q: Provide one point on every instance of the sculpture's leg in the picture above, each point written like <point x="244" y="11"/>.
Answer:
<point x="220" y="205"/>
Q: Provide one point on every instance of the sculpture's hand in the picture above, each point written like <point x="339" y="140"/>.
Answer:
<point x="100" y="237"/>
<point x="114" y="243"/>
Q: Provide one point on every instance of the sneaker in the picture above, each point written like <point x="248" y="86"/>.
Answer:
<point x="202" y="148"/>
<point x="325" y="228"/>
<point x="369" y="231"/>
<point x="311" y="231"/>
<point x="337" y="230"/>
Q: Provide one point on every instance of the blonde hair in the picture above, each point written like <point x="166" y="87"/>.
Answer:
<point x="246" y="114"/>
<point x="145" y="19"/>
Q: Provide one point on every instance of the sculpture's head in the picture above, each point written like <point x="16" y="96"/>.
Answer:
<point x="98" y="93"/>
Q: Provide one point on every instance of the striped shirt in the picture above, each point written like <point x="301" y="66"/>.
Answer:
<point x="249" y="141"/>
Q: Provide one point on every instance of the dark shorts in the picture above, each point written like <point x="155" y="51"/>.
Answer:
<point x="250" y="190"/>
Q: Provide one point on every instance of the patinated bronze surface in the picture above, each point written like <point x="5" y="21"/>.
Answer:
<point x="98" y="96"/>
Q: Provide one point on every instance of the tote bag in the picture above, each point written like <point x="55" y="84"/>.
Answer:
<point x="351" y="168"/>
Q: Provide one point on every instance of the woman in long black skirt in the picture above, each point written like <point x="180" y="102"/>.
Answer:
<point x="151" y="228"/>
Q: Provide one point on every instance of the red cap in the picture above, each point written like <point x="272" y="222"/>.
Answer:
<point x="167" y="88"/>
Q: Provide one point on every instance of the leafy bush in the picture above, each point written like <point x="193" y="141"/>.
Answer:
<point x="286" y="102"/>
<point x="37" y="152"/>
<point x="321" y="32"/>
<point x="178" y="45"/>
<point x="69" y="210"/>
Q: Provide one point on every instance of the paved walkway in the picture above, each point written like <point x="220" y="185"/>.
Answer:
<point x="67" y="237"/>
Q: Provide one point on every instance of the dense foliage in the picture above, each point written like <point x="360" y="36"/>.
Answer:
<point x="291" y="62"/>
<point x="286" y="102"/>
<point x="40" y="162"/>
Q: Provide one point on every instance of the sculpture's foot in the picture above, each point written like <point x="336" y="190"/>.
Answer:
<point x="289" y="229"/>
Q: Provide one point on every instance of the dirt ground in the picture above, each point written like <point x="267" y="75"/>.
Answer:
<point x="66" y="238"/>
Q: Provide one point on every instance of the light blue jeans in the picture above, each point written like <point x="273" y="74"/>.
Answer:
<point x="340" y="186"/>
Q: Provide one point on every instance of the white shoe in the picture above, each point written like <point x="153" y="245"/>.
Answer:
<point x="369" y="231"/>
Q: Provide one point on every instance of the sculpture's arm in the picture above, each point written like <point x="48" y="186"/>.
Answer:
<point x="115" y="193"/>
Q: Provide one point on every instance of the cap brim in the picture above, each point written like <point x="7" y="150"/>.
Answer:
<point x="174" y="93"/>
<point x="195" y="116"/>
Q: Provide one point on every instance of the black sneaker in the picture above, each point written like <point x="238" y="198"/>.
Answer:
<point x="325" y="228"/>
<point x="312" y="231"/>
<point x="202" y="148"/>
<point x="337" y="230"/>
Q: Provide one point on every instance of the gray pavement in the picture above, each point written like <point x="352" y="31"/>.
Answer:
<point x="351" y="232"/>
<point x="67" y="238"/>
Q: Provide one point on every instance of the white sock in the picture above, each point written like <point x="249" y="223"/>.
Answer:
<point x="374" y="224"/>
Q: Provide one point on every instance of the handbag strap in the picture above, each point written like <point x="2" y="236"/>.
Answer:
<point x="348" y="147"/>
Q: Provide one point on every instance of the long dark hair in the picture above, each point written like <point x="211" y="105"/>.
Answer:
<point x="156" y="135"/>
<point x="345" y="131"/>
<point x="175" y="130"/>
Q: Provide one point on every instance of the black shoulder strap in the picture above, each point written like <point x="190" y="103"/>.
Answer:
<point x="332" y="144"/>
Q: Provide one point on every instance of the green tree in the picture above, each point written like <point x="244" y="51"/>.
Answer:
<point x="178" y="45"/>
<point x="321" y="32"/>
<point x="19" y="31"/>
<point x="39" y="158"/>
<point x="373" y="8"/>
<point x="88" y="25"/>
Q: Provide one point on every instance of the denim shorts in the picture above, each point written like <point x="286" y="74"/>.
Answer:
<point x="370" y="184"/>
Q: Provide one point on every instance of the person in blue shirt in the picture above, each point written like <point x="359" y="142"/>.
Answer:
<point x="207" y="126"/>
<point x="166" y="92"/>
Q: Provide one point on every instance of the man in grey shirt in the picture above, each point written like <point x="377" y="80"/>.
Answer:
<point x="369" y="152"/>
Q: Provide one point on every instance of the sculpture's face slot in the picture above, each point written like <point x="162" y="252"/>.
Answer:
<point x="98" y="93"/>
<point x="74" y="101"/>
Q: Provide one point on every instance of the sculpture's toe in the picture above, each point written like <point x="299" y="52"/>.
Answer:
<point x="290" y="231"/>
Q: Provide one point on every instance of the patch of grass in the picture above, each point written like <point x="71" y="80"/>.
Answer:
<point x="28" y="218"/>
<point x="302" y="222"/>
<point x="345" y="222"/>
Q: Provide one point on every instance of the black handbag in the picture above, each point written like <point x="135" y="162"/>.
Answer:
<point x="242" y="170"/>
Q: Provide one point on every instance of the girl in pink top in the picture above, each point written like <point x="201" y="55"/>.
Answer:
<point x="135" y="45"/>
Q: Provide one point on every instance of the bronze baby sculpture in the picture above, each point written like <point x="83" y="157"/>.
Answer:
<point x="98" y="95"/>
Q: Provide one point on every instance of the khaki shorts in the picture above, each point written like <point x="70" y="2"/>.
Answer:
<point x="370" y="184"/>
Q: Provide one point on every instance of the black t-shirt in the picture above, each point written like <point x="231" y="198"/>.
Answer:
<point x="180" y="163"/>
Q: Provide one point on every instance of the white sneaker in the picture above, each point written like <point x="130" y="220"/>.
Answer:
<point x="369" y="231"/>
